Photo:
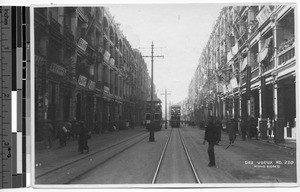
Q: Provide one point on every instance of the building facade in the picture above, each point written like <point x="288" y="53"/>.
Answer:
<point x="248" y="70"/>
<point x="85" y="69"/>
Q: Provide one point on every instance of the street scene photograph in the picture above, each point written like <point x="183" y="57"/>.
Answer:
<point x="196" y="95"/>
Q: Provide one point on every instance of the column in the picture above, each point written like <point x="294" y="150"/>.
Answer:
<point x="262" y="110"/>
<point x="278" y="113"/>
<point x="262" y="125"/>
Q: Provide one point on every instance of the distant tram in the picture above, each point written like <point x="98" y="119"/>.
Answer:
<point x="157" y="120"/>
<point x="175" y="116"/>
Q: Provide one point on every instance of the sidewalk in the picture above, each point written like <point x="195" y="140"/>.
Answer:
<point x="46" y="159"/>
<point x="289" y="143"/>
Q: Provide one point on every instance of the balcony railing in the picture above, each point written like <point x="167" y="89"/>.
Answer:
<point x="286" y="55"/>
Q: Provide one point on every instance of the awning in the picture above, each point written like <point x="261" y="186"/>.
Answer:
<point x="264" y="50"/>
<point x="244" y="64"/>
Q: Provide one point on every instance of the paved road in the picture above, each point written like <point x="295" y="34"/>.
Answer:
<point x="136" y="165"/>
<point x="175" y="167"/>
<point x="249" y="161"/>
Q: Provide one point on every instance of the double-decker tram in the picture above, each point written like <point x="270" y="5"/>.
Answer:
<point x="175" y="116"/>
<point x="157" y="118"/>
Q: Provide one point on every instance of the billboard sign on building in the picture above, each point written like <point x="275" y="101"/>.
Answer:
<point x="57" y="69"/>
<point x="106" y="56"/>
<point x="91" y="85"/>
<point x="82" y="80"/>
<point x="263" y="15"/>
<point x="112" y="61"/>
<point x="82" y="44"/>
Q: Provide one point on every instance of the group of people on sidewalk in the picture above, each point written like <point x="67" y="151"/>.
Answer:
<point x="69" y="129"/>
<point x="213" y="129"/>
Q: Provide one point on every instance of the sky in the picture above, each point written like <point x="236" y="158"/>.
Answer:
<point x="179" y="32"/>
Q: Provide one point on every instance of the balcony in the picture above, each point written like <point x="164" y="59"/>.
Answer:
<point x="286" y="55"/>
<point x="244" y="78"/>
<point x="254" y="73"/>
<point x="267" y="67"/>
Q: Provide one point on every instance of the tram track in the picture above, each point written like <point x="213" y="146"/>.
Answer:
<point x="72" y="169"/>
<point x="186" y="152"/>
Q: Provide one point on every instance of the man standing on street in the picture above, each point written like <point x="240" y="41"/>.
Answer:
<point x="211" y="138"/>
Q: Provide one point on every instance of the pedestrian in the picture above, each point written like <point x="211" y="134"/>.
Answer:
<point x="253" y="132"/>
<point x="83" y="138"/>
<point x="232" y="131"/>
<point x="243" y="129"/>
<point x="68" y="126"/>
<point x="218" y="125"/>
<point x="62" y="134"/>
<point x="74" y="128"/>
<point x="211" y="138"/>
<point x="48" y="134"/>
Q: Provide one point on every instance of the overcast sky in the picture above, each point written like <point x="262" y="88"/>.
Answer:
<point x="182" y="30"/>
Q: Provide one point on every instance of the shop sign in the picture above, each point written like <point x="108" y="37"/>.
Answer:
<point x="106" y="56"/>
<point x="91" y="85"/>
<point x="82" y="44"/>
<point x="263" y="15"/>
<point x="112" y="61"/>
<point x="82" y="80"/>
<point x="58" y="69"/>
<point x="106" y="89"/>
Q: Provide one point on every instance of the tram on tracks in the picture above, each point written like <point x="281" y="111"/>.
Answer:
<point x="157" y="118"/>
<point x="175" y="116"/>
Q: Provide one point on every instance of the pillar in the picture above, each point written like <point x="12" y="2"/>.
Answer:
<point x="279" y="112"/>
<point x="262" y="109"/>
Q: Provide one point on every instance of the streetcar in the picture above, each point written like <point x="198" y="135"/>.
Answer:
<point x="175" y="116"/>
<point x="157" y="119"/>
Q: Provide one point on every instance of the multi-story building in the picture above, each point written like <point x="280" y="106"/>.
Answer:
<point x="248" y="69"/>
<point x="85" y="69"/>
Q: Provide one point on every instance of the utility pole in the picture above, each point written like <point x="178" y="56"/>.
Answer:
<point x="166" y="116"/>
<point x="151" y="137"/>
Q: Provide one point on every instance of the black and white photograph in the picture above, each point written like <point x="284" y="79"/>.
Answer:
<point x="170" y="95"/>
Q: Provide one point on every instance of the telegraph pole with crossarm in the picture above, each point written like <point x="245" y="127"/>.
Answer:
<point x="166" y="115"/>
<point x="151" y="137"/>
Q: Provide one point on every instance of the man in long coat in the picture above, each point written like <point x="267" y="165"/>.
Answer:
<point x="232" y="131"/>
<point x="211" y="137"/>
<point x="83" y="138"/>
